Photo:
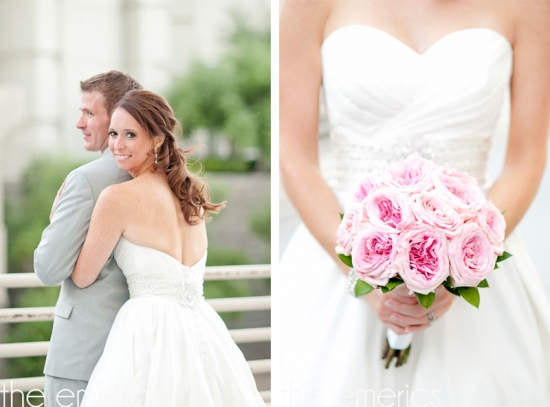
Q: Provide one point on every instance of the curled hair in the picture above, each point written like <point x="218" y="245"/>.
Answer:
<point x="155" y="115"/>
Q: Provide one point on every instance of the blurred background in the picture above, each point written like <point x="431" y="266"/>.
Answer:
<point x="209" y="58"/>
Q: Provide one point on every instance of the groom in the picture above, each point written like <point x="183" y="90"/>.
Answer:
<point x="83" y="317"/>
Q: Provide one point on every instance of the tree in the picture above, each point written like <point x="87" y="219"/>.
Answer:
<point x="232" y="97"/>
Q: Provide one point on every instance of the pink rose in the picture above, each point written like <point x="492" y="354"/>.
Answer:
<point x="351" y="222"/>
<point x="466" y="179"/>
<point x="386" y="207"/>
<point x="364" y="188"/>
<point x="422" y="260"/>
<point x="373" y="253"/>
<point x="464" y="195"/>
<point x="411" y="176"/>
<point x="472" y="256"/>
<point x="432" y="208"/>
<point x="492" y="222"/>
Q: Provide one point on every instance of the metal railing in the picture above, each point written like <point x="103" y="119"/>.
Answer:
<point x="25" y="280"/>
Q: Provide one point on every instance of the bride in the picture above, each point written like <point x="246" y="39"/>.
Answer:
<point x="399" y="77"/>
<point x="167" y="347"/>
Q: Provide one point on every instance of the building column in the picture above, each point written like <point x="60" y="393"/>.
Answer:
<point x="147" y="42"/>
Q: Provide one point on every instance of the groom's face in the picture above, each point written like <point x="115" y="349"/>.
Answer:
<point x="94" y="121"/>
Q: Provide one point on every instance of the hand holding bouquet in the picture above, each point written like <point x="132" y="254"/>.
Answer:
<point x="422" y="225"/>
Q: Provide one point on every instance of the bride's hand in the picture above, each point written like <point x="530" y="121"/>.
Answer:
<point x="57" y="196"/>
<point x="401" y="312"/>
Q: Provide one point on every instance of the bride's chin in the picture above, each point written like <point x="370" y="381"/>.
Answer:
<point x="125" y="166"/>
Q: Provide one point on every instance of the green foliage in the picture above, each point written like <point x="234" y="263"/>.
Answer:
<point x="226" y="288"/>
<point x="28" y="215"/>
<point x="345" y="259"/>
<point x="392" y="283"/>
<point x="217" y="164"/>
<point x="232" y="97"/>
<point x="260" y="222"/>
<point x="425" y="299"/>
<point x="470" y="294"/>
<point x="30" y="331"/>
<point x="503" y="256"/>
<point x="362" y="288"/>
<point x="219" y="192"/>
<point x="483" y="284"/>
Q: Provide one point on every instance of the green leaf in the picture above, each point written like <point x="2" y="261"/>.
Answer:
<point x="496" y="266"/>
<point x="483" y="284"/>
<point x="394" y="282"/>
<point x="470" y="294"/>
<point x="448" y="282"/>
<point x="362" y="288"/>
<point x="341" y="216"/>
<point x="503" y="257"/>
<point x="503" y="212"/>
<point x="425" y="300"/>
<point x="452" y="290"/>
<point x="346" y="260"/>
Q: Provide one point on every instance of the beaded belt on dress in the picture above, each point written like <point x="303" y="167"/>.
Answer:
<point x="187" y="293"/>
<point x="355" y="157"/>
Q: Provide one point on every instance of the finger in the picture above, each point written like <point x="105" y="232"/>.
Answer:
<point x="416" y="328"/>
<point x="403" y="291"/>
<point x="399" y="330"/>
<point x="405" y="321"/>
<point x="415" y="310"/>
<point x="384" y="313"/>
<point x="405" y="299"/>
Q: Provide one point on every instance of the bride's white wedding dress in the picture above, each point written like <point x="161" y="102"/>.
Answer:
<point x="385" y="101"/>
<point x="167" y="346"/>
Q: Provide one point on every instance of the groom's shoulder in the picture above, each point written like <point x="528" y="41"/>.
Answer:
<point x="101" y="172"/>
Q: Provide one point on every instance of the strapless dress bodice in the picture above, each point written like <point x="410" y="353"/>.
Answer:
<point x="385" y="101"/>
<point x="167" y="346"/>
<point x="150" y="272"/>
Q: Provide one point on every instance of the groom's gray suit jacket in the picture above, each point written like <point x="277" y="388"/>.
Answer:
<point x="83" y="317"/>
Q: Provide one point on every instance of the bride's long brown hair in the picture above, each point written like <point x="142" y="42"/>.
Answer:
<point x="155" y="115"/>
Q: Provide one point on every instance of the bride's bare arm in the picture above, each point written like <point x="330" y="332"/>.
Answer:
<point x="518" y="182"/>
<point x="301" y="36"/>
<point x="106" y="226"/>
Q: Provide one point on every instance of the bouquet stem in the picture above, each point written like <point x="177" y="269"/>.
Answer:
<point x="388" y="353"/>
<point x="396" y="346"/>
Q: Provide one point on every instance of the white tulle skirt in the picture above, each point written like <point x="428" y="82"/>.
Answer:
<point x="497" y="355"/>
<point x="162" y="354"/>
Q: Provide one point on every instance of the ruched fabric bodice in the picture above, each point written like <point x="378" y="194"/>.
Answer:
<point x="386" y="101"/>
<point x="150" y="272"/>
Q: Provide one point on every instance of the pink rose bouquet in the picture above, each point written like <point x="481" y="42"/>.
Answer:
<point x="422" y="225"/>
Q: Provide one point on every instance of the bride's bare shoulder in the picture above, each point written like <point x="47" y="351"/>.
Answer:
<point x="129" y="193"/>
<point x="531" y="18"/>
<point x="305" y="18"/>
<point x="311" y="6"/>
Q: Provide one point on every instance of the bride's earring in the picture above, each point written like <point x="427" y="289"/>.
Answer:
<point x="156" y="157"/>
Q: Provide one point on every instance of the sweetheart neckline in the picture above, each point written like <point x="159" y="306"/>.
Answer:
<point x="169" y="256"/>
<point x="443" y="38"/>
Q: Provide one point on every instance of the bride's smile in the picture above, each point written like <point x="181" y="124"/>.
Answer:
<point x="131" y="144"/>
